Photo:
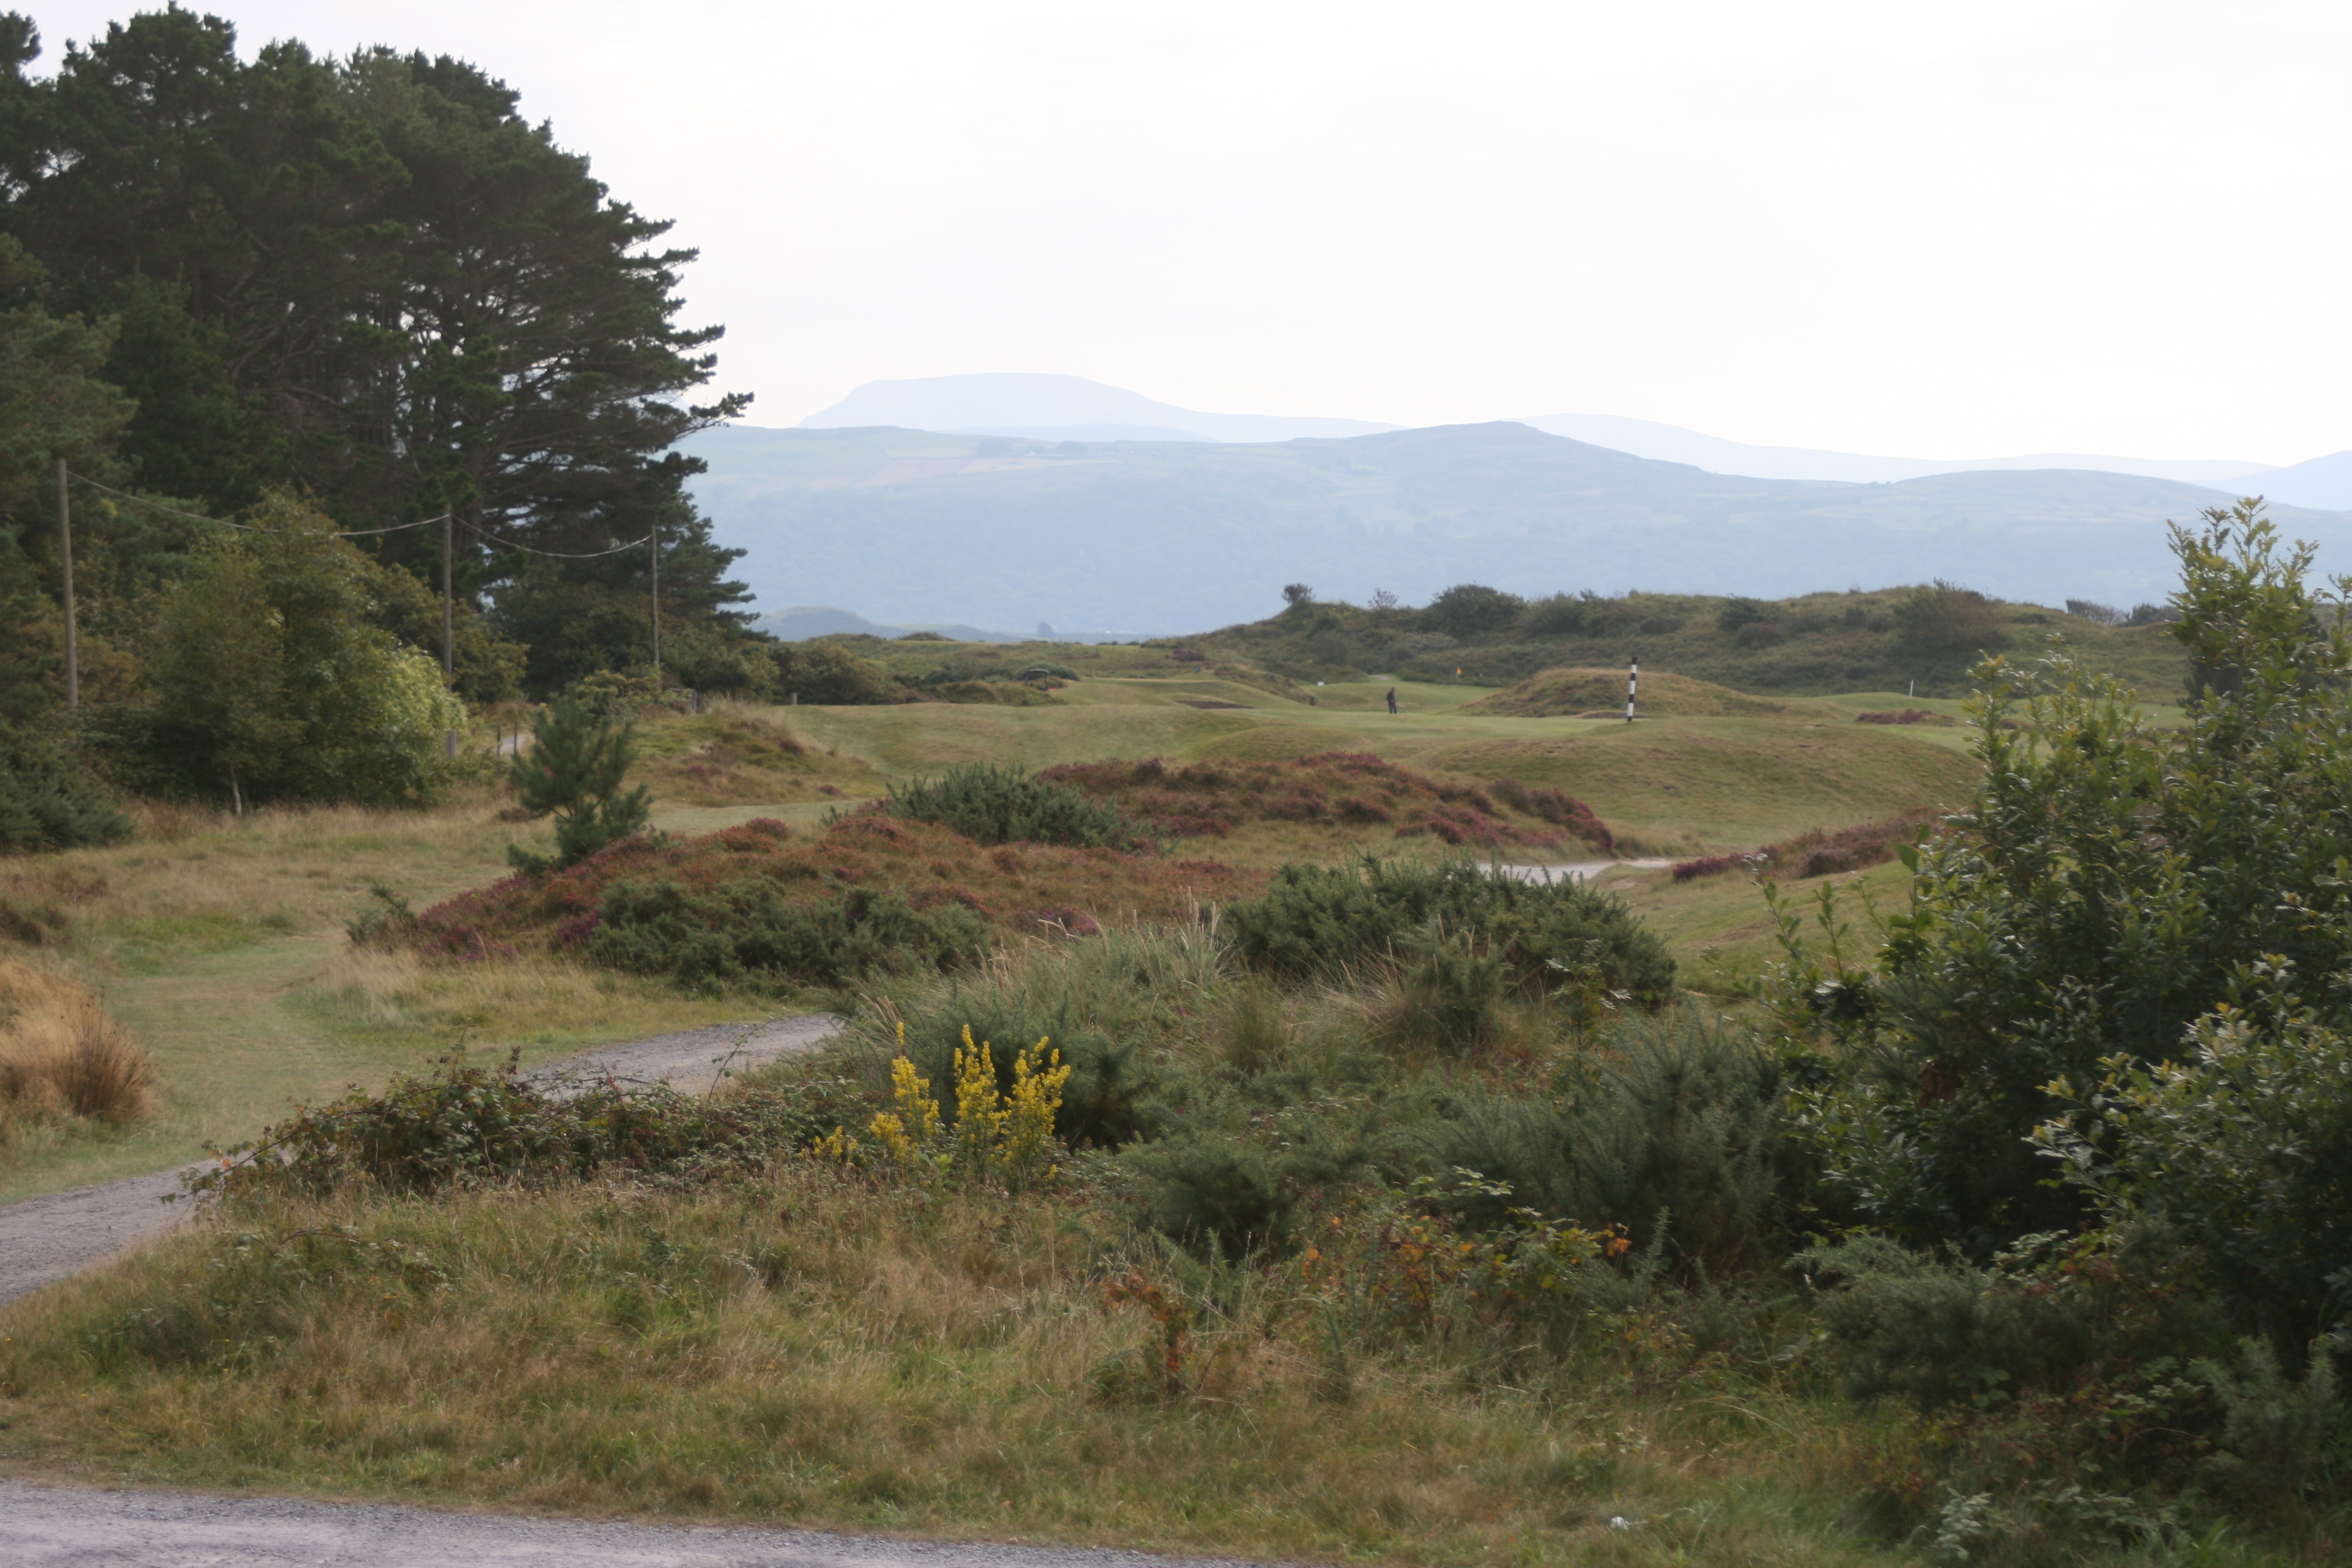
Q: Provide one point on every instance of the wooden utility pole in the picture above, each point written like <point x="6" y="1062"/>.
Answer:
<point x="448" y="594"/>
<point x="656" y="542"/>
<point x="65" y="560"/>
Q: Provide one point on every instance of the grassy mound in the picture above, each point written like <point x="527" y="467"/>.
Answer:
<point x="759" y="900"/>
<point x="1341" y="789"/>
<point x="1553" y="692"/>
<point x="741" y="755"/>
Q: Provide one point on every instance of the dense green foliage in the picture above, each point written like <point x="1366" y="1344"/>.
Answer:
<point x="1448" y="918"/>
<point x="993" y="804"/>
<point x="371" y="280"/>
<point x="573" y="771"/>
<point x="49" y="797"/>
<point x="2112" y="883"/>
<point x="760" y="931"/>
<point x="266" y="680"/>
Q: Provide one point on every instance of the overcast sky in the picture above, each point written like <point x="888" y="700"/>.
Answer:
<point x="1933" y="230"/>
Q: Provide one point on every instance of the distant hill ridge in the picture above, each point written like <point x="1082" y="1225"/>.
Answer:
<point x="1169" y="537"/>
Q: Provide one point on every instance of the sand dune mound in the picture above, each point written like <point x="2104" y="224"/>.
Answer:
<point x="1549" y="693"/>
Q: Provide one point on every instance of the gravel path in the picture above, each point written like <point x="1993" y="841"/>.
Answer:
<point x="47" y="1239"/>
<point x="55" y="1527"/>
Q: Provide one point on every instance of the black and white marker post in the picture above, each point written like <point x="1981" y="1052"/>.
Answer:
<point x="1633" y="680"/>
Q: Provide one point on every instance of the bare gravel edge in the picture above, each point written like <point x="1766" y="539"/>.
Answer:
<point x="54" y="1527"/>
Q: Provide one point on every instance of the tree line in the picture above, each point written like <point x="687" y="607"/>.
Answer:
<point x="366" y="288"/>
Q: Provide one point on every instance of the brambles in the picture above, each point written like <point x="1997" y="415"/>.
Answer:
<point x="464" y="1125"/>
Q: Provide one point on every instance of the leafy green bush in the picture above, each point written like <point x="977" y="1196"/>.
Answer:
<point x="2239" y="1156"/>
<point x="48" y="799"/>
<point x="2111" y="882"/>
<point x="1325" y="921"/>
<point x="756" y="929"/>
<point x="267" y="679"/>
<point x="996" y="804"/>
<point x="575" y="769"/>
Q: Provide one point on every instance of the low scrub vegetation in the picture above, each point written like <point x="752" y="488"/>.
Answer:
<point x="1341" y="789"/>
<point x="1817" y="852"/>
<point x="1003" y="805"/>
<point x="765" y="904"/>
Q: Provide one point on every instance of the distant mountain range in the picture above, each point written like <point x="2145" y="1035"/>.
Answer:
<point x="1072" y="409"/>
<point x="1170" y="537"/>
<point x="1057" y="408"/>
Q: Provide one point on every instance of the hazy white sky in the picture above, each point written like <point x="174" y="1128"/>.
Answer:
<point x="2099" y="226"/>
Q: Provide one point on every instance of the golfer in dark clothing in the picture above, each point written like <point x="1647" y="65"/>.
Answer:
<point x="1391" y="698"/>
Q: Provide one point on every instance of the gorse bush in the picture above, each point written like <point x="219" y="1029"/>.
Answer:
<point x="1674" y="1133"/>
<point x="761" y="930"/>
<point x="995" y="805"/>
<point x="1325" y="921"/>
<point x="995" y="1132"/>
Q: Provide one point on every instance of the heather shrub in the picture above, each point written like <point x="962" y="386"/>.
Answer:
<point x="757" y="930"/>
<point x="995" y="804"/>
<point x="1328" y="920"/>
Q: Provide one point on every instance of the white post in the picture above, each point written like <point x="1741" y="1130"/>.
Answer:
<point x="1633" y="680"/>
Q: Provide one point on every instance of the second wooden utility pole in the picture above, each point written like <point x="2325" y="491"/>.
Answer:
<point x="65" y="560"/>
<point x="657" y="543"/>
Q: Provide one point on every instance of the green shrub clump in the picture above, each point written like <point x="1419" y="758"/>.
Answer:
<point x="758" y="930"/>
<point x="1535" y="937"/>
<point x="999" y="804"/>
<point x="48" y="799"/>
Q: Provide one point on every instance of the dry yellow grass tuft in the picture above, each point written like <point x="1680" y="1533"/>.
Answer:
<point x="61" y="1055"/>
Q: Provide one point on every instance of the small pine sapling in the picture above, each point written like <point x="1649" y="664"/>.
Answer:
<point x="574" y="772"/>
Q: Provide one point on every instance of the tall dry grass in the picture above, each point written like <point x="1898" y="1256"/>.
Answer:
<point x="817" y="1349"/>
<point x="62" y="1057"/>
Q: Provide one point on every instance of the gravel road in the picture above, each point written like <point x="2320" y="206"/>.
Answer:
<point x="47" y="1239"/>
<point x="62" y="1527"/>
